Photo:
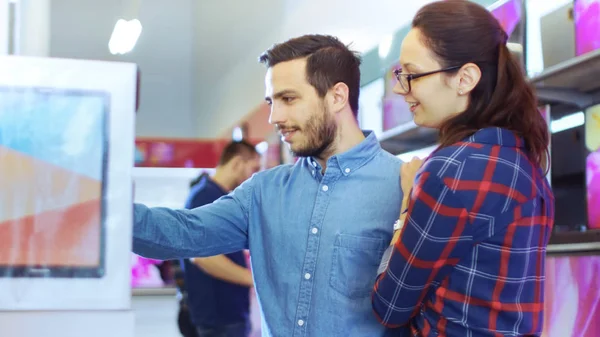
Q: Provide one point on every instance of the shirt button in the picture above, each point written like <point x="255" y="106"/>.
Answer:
<point x="325" y="188"/>
<point x="315" y="230"/>
<point x="300" y="322"/>
<point x="313" y="172"/>
<point x="347" y="170"/>
<point x="314" y="164"/>
<point x="307" y="276"/>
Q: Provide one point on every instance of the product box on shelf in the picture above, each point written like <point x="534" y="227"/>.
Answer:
<point x="66" y="155"/>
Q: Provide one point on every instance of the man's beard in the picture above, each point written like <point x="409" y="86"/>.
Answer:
<point x="320" y="132"/>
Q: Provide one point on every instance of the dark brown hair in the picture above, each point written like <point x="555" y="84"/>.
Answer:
<point x="235" y="148"/>
<point x="328" y="62"/>
<point x="459" y="32"/>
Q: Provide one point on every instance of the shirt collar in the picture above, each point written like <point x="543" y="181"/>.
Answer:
<point x="352" y="159"/>
<point x="497" y="136"/>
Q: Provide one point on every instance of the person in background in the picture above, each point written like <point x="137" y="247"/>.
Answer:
<point x="469" y="254"/>
<point x="316" y="229"/>
<point x="217" y="287"/>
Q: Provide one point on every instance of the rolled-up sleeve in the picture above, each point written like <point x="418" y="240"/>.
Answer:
<point x="217" y="228"/>
<point x="434" y="237"/>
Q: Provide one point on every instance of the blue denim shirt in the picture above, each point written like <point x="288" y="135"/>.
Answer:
<point x="315" y="239"/>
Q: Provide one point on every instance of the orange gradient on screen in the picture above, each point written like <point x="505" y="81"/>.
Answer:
<point x="49" y="216"/>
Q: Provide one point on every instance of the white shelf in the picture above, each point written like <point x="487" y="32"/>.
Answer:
<point x="407" y="137"/>
<point x="67" y="323"/>
<point x="163" y="291"/>
<point x="573" y="84"/>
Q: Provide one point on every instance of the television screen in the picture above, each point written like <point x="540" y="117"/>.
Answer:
<point x="572" y="296"/>
<point x="510" y="14"/>
<point x="593" y="189"/>
<point x="592" y="142"/>
<point x="586" y="14"/>
<point x="568" y="155"/>
<point x="53" y="155"/>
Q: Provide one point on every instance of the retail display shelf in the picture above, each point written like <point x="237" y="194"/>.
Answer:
<point x="573" y="84"/>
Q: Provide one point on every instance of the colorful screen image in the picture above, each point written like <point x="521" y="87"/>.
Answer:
<point x="592" y="128"/>
<point x="572" y="296"/>
<point x="509" y="15"/>
<point x="53" y="154"/>
<point x="593" y="189"/>
<point x="586" y="14"/>
<point x="145" y="273"/>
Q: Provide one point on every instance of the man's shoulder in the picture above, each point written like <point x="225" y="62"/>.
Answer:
<point x="389" y="158"/>
<point x="384" y="161"/>
<point x="275" y="173"/>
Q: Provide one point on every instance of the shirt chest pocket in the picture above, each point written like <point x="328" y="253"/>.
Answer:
<point x="354" y="265"/>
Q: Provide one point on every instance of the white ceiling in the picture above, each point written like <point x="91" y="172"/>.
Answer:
<point x="199" y="57"/>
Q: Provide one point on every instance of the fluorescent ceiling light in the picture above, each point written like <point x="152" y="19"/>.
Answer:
<point x="124" y="36"/>
<point x="567" y="122"/>
<point x="262" y="147"/>
<point x="237" y="135"/>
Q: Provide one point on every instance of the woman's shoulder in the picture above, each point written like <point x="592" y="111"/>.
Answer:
<point x="473" y="161"/>
<point x="449" y="160"/>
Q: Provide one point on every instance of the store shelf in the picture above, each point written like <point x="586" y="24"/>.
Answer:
<point x="407" y="137"/>
<point x="574" y="242"/>
<point x="162" y="291"/>
<point x="571" y="85"/>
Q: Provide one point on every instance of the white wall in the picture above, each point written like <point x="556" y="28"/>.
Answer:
<point x="33" y="28"/>
<point x="4" y="27"/>
<point x="199" y="58"/>
<point x="164" y="187"/>
<point x="81" y="29"/>
<point x="155" y="316"/>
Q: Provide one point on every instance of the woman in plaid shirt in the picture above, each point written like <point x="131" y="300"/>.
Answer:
<point x="469" y="251"/>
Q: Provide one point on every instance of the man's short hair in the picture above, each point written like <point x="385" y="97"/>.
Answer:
<point x="328" y="62"/>
<point x="242" y="148"/>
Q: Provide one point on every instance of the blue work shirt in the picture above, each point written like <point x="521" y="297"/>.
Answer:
<point x="315" y="239"/>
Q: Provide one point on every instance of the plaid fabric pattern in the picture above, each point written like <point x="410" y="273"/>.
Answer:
<point x="470" y="258"/>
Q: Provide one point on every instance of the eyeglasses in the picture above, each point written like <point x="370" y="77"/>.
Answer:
<point x="405" y="79"/>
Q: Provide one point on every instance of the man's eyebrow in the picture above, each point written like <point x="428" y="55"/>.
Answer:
<point x="279" y="94"/>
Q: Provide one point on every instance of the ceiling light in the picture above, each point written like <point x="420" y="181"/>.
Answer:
<point x="124" y="36"/>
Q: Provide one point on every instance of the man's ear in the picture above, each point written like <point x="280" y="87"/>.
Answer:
<point x="338" y="97"/>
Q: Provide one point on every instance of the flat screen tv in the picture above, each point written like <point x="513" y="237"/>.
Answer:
<point x="53" y="159"/>
<point x="586" y="14"/>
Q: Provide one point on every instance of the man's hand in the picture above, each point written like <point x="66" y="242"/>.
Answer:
<point x="224" y="269"/>
<point x="408" y="171"/>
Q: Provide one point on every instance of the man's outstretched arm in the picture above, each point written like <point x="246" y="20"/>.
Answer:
<point x="213" y="229"/>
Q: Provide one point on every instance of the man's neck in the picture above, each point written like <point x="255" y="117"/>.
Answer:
<point x="221" y="178"/>
<point x="348" y="136"/>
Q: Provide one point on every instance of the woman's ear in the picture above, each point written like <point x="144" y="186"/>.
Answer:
<point x="469" y="76"/>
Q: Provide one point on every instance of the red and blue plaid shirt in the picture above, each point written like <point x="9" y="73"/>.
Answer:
<point x="470" y="258"/>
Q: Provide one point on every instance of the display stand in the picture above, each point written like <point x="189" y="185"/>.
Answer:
<point x="67" y="324"/>
<point x="66" y="157"/>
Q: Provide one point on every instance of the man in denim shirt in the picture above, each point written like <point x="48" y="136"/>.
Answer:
<point x="317" y="229"/>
